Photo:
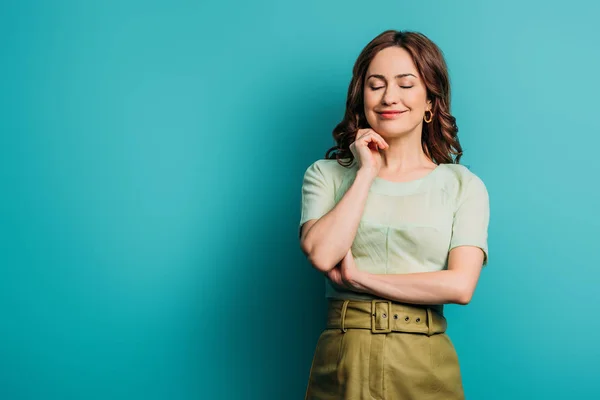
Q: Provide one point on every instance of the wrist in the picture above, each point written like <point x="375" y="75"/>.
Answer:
<point x="365" y="173"/>
<point x="359" y="281"/>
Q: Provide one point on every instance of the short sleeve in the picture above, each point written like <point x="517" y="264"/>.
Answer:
<point x="471" y="218"/>
<point x="317" y="194"/>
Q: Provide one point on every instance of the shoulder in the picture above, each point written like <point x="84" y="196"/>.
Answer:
<point x="459" y="180"/>
<point x="330" y="170"/>
<point x="461" y="175"/>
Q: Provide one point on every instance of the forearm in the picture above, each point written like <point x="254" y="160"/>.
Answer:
<point x="439" y="287"/>
<point x="329" y="239"/>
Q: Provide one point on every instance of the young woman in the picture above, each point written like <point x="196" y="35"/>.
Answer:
<point x="398" y="227"/>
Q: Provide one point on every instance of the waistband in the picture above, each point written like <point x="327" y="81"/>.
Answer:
<point x="383" y="316"/>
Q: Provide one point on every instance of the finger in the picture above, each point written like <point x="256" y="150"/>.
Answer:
<point x="331" y="274"/>
<point x="374" y="145"/>
<point x="373" y="137"/>
<point x="345" y="259"/>
<point x="377" y="137"/>
<point x="370" y="142"/>
<point x="337" y="279"/>
<point x="380" y="139"/>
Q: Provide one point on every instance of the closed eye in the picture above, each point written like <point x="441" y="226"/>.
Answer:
<point x="381" y="87"/>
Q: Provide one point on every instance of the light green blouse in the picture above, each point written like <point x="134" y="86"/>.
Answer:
<point x="406" y="226"/>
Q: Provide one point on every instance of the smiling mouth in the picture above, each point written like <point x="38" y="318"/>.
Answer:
<point x="390" y="114"/>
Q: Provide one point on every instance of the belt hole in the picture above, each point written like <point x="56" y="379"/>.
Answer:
<point x="407" y="318"/>
<point x="384" y="315"/>
<point x="418" y="320"/>
<point x="395" y="316"/>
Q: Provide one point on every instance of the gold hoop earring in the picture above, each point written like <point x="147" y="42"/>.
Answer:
<point x="430" y="117"/>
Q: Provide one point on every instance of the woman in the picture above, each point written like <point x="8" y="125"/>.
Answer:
<point x="398" y="227"/>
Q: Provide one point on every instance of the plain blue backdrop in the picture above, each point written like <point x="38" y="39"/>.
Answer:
<point x="151" y="161"/>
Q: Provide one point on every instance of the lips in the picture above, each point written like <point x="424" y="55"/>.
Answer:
<point x="390" y="114"/>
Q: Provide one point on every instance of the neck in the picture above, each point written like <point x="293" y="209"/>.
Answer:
<point x="405" y="153"/>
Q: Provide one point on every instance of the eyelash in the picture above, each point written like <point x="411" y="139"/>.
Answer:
<point x="377" y="88"/>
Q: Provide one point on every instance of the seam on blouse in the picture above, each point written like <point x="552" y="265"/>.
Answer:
<point x="387" y="251"/>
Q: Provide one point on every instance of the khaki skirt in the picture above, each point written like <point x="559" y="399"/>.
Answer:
<point x="380" y="350"/>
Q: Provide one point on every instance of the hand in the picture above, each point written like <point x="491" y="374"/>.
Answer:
<point x="335" y="276"/>
<point x="365" y="149"/>
<point x="346" y="275"/>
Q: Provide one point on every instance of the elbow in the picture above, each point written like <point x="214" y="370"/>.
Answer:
<point x="319" y="261"/>
<point x="463" y="300"/>
<point x="463" y="296"/>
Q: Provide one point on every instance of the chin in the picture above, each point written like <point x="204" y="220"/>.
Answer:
<point x="391" y="130"/>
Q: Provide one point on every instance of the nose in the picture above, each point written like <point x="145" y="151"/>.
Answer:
<point x="391" y="95"/>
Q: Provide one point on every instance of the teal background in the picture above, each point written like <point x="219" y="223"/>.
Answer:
<point x="151" y="162"/>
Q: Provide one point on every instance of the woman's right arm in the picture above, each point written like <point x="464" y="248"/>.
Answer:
<point x="325" y="241"/>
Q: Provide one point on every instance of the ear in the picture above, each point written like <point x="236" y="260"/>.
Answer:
<point x="429" y="106"/>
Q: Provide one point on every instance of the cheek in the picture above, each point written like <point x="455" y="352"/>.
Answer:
<point x="369" y="104"/>
<point x="370" y="100"/>
<point x="415" y="101"/>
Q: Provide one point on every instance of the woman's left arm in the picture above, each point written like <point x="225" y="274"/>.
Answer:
<point x="454" y="285"/>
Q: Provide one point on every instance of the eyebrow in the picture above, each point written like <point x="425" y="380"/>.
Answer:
<point x="383" y="77"/>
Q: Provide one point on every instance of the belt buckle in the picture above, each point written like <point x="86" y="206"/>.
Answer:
<point x="373" y="316"/>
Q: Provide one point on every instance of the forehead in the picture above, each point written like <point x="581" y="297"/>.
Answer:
<point x="392" y="61"/>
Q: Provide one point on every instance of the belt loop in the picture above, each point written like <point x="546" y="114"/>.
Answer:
<point x="429" y="322"/>
<point x="344" y="308"/>
<point x="386" y="316"/>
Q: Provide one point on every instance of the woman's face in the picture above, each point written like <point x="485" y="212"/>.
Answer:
<point x="393" y="84"/>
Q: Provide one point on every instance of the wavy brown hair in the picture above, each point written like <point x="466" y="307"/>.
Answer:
<point x="439" y="137"/>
